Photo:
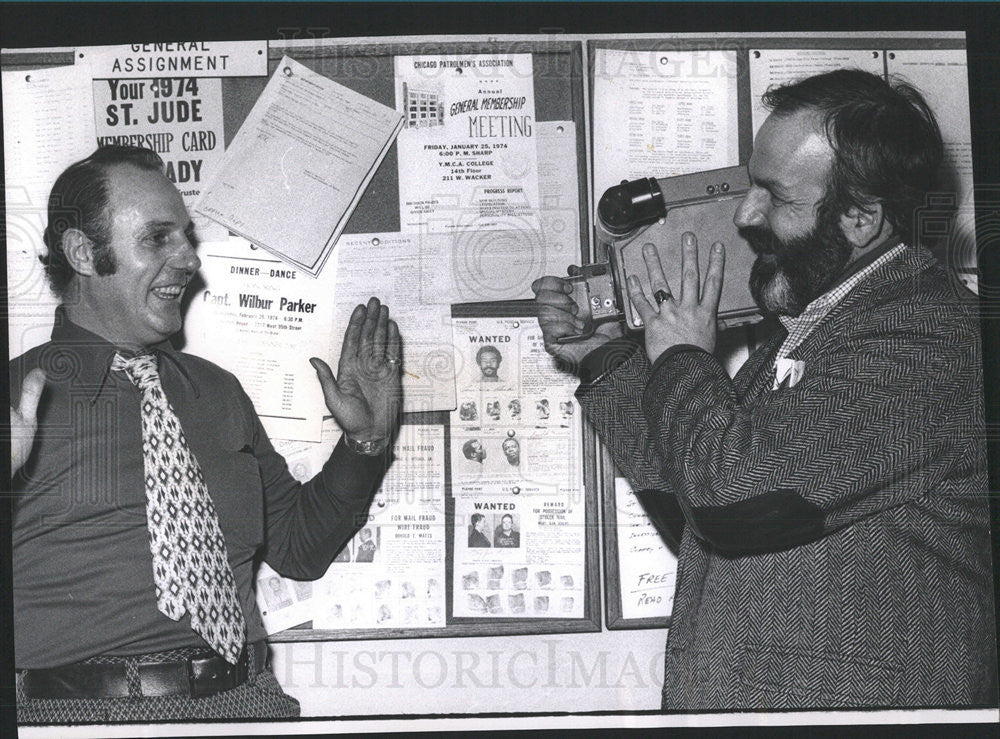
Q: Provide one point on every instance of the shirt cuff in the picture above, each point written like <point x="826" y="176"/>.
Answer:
<point x="606" y="358"/>
<point x="356" y="474"/>
<point x="675" y="349"/>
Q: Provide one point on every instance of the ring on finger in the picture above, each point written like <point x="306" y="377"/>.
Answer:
<point x="393" y="361"/>
<point x="661" y="295"/>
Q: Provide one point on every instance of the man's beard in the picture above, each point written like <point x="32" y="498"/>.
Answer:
<point x="800" y="269"/>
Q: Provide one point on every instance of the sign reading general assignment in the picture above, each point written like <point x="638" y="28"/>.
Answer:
<point x="177" y="59"/>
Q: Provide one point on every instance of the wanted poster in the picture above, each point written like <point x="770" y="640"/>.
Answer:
<point x="283" y="602"/>
<point x="516" y="429"/>
<point x="392" y="574"/>
<point x="518" y="556"/>
<point x="467" y="150"/>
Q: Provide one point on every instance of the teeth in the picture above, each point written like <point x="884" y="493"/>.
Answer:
<point x="168" y="292"/>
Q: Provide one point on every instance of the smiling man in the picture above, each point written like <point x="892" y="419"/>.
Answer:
<point x="829" y="503"/>
<point x="145" y="485"/>
<point x="488" y="358"/>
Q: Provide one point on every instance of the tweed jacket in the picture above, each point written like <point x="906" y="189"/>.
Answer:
<point x="833" y="537"/>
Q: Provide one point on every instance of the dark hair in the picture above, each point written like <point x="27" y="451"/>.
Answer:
<point x="79" y="200"/>
<point x="886" y="142"/>
<point x="476" y="518"/>
<point x="488" y="348"/>
<point x="468" y="448"/>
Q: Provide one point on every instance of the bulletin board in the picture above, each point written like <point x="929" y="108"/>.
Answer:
<point x="520" y="590"/>
<point x="566" y="90"/>
<point x="642" y="597"/>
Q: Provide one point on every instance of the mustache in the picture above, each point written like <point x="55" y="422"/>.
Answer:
<point x="761" y="240"/>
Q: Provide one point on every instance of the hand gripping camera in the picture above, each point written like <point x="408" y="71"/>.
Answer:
<point x="659" y="211"/>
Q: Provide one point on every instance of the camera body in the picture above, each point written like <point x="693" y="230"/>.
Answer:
<point x="658" y="211"/>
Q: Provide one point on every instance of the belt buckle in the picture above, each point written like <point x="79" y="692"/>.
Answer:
<point x="163" y="678"/>
<point x="210" y="675"/>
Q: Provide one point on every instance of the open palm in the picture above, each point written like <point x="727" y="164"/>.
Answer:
<point x="366" y="395"/>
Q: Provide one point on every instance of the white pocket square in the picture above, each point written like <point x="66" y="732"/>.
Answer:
<point x="787" y="372"/>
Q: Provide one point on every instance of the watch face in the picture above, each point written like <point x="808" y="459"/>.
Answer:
<point x="370" y="448"/>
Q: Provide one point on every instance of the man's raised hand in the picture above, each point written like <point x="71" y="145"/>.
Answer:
<point x="366" y="395"/>
<point x="685" y="318"/>
<point x="24" y="421"/>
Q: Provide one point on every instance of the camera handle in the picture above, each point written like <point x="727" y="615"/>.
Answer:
<point x="621" y="210"/>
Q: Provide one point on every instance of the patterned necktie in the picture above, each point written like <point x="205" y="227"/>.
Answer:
<point x="191" y="571"/>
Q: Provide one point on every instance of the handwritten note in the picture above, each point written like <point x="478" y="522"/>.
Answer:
<point x="648" y="569"/>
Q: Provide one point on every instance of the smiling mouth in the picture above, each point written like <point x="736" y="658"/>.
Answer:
<point x="168" y="292"/>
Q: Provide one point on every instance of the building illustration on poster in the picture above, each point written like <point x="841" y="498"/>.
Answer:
<point x="422" y="107"/>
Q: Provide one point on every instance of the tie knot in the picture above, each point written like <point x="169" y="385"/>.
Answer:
<point x="141" y="369"/>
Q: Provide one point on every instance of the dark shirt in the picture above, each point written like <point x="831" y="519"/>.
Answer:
<point x="477" y="539"/>
<point x="82" y="568"/>
<point x="500" y="539"/>
<point x="366" y="552"/>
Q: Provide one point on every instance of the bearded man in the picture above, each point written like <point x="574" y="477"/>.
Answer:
<point x="828" y="504"/>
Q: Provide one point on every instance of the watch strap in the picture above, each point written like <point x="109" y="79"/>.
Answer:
<point x="368" y="448"/>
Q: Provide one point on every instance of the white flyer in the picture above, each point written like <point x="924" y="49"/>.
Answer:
<point x="48" y="124"/>
<point x="662" y="113"/>
<point x="501" y="264"/>
<point x="774" y="67"/>
<point x="299" y="164"/>
<point x="468" y="266"/>
<point x="393" y="268"/>
<point x="647" y="568"/>
<point x="942" y="77"/>
<point x="262" y="320"/>
<point x="467" y="149"/>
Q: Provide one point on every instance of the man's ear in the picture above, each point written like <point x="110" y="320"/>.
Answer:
<point x="864" y="227"/>
<point x="79" y="251"/>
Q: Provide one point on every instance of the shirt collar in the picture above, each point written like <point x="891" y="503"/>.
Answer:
<point x="864" y="260"/>
<point x="854" y="273"/>
<point x="93" y="353"/>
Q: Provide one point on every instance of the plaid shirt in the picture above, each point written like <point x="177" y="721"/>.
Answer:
<point x="802" y="325"/>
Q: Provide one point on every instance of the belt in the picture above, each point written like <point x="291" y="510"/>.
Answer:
<point x="202" y="674"/>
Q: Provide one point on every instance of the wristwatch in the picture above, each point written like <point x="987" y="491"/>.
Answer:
<point x="370" y="448"/>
